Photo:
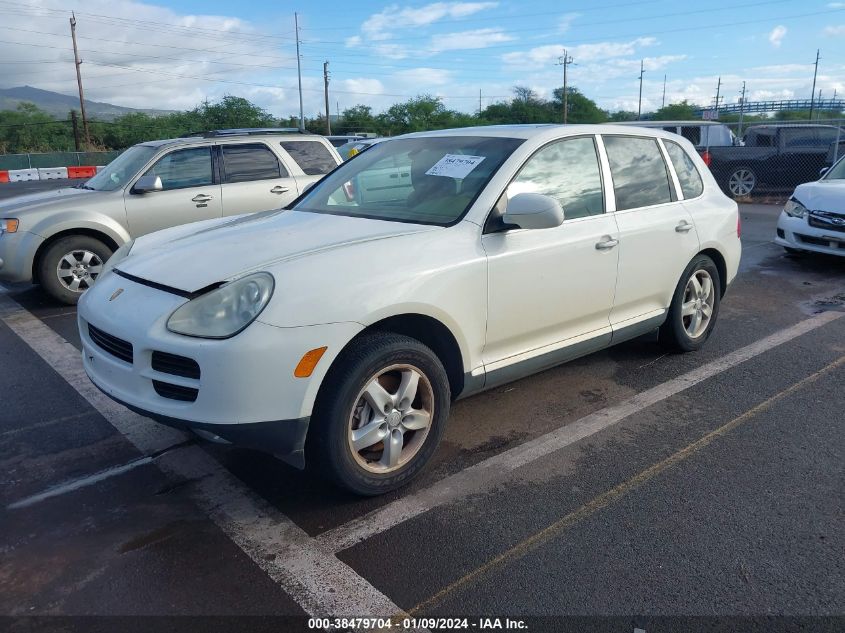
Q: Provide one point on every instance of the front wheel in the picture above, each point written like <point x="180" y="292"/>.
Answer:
<point x="695" y="307"/>
<point x="380" y="414"/>
<point x="71" y="265"/>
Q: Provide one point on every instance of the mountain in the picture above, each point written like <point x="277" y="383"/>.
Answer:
<point x="59" y="105"/>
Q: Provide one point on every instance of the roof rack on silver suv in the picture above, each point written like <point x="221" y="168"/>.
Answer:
<point x="244" y="131"/>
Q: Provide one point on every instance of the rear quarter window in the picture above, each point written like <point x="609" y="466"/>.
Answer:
<point x="313" y="157"/>
<point x="688" y="176"/>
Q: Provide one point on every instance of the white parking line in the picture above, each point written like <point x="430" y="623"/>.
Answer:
<point x="485" y="474"/>
<point x="321" y="584"/>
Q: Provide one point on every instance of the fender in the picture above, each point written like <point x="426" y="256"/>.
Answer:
<point x="77" y="219"/>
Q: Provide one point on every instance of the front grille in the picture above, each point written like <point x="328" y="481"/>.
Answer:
<point x="175" y="392"/>
<point x="175" y="365"/>
<point x="820" y="241"/>
<point x="828" y="221"/>
<point x="117" y="347"/>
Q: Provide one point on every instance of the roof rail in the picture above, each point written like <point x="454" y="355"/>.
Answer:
<point x="244" y="131"/>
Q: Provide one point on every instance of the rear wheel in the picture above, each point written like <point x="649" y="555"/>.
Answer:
<point x="71" y="265"/>
<point x="380" y="414"/>
<point x="742" y="182"/>
<point x="694" y="308"/>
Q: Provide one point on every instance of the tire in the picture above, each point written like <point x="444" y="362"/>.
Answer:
<point x="741" y="182"/>
<point x="679" y="332"/>
<point x="344" y="405"/>
<point x="60" y="277"/>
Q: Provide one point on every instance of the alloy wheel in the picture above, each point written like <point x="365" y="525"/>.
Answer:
<point x="697" y="307"/>
<point x="78" y="270"/>
<point x="742" y="182"/>
<point x="391" y="418"/>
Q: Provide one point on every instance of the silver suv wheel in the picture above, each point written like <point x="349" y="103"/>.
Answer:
<point x="78" y="270"/>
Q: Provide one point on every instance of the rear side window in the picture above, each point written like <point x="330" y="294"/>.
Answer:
<point x="568" y="171"/>
<point x="688" y="176"/>
<point x="692" y="133"/>
<point x="312" y="156"/>
<point x="639" y="174"/>
<point x="252" y="161"/>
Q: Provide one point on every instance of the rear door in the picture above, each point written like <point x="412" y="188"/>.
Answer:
<point x="657" y="237"/>
<point x="191" y="192"/>
<point x="254" y="179"/>
<point x="313" y="158"/>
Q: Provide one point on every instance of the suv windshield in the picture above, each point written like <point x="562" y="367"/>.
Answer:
<point x="122" y="169"/>
<point x="424" y="180"/>
<point x="837" y="172"/>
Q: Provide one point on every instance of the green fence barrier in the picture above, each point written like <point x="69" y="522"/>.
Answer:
<point x="56" y="159"/>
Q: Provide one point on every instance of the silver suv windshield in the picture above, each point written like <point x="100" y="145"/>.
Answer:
<point x="122" y="169"/>
<point x="424" y="180"/>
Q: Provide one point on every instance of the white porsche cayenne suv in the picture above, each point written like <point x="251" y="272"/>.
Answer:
<point x="429" y="267"/>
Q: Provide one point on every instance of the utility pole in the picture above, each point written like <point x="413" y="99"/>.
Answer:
<point x="663" y="103"/>
<point x="79" y="79"/>
<point x="565" y="61"/>
<point x="640" y="100"/>
<point x="326" y="85"/>
<point x="75" y="125"/>
<point x="741" y="109"/>
<point x="718" y="90"/>
<point x="479" y="102"/>
<point x="813" y="91"/>
<point x="299" y="74"/>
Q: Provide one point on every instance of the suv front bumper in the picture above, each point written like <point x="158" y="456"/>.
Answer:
<point x="17" y="253"/>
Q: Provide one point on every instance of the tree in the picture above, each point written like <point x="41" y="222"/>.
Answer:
<point x="581" y="109"/>
<point x="682" y="111"/>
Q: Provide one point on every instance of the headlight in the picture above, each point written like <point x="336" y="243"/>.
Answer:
<point x="225" y="311"/>
<point x="118" y="256"/>
<point x="795" y="208"/>
<point x="8" y="225"/>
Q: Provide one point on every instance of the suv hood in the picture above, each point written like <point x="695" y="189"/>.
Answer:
<point x="11" y="206"/>
<point x="196" y="256"/>
<point x="823" y="195"/>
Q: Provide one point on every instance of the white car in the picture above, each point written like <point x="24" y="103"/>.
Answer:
<point x="341" y="332"/>
<point x="814" y="217"/>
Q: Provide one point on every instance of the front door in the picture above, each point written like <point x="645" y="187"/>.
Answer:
<point x="550" y="289"/>
<point x="190" y="193"/>
<point x="254" y="179"/>
<point x="657" y="238"/>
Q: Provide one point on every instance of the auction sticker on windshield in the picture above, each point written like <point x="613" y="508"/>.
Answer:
<point x="454" y="166"/>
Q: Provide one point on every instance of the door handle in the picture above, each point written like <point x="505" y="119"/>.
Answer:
<point x="279" y="189"/>
<point x="201" y="197"/>
<point x="606" y="244"/>
<point x="683" y="227"/>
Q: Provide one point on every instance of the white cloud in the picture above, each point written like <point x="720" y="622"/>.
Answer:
<point x="581" y="54"/>
<point x="479" y="38"/>
<point x="836" y="5"/>
<point x="835" y="31"/>
<point x="377" y="26"/>
<point x="565" y="22"/>
<point x="777" y="35"/>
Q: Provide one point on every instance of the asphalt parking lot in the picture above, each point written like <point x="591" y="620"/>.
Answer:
<point x="630" y="484"/>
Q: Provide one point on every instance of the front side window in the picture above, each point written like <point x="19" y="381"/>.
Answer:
<point x="423" y="180"/>
<point x="122" y="169"/>
<point x="252" y="161"/>
<point x="639" y="174"/>
<point x="184" y="168"/>
<point x="568" y="171"/>
<point x="688" y="175"/>
<point x="312" y="156"/>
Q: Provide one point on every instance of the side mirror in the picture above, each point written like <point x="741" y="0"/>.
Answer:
<point x="533" y="211"/>
<point x="823" y="171"/>
<point x="308" y="186"/>
<point x="147" y="183"/>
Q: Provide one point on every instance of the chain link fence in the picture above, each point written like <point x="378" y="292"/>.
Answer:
<point x="771" y="158"/>
<point x="55" y="159"/>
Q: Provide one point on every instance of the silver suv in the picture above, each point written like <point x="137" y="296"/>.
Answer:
<point x="62" y="238"/>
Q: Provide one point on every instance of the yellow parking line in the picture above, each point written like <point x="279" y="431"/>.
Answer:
<point x="617" y="492"/>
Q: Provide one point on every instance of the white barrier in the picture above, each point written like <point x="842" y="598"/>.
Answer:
<point x="99" y="167"/>
<point x="52" y="173"/>
<point x="17" y="175"/>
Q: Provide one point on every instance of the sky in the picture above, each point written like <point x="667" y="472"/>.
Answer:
<point x="175" y="54"/>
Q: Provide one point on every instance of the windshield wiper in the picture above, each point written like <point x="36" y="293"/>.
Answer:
<point x="84" y="186"/>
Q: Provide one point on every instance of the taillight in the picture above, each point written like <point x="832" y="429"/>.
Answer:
<point x="738" y="225"/>
<point x="349" y="190"/>
<point x="705" y="156"/>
